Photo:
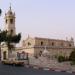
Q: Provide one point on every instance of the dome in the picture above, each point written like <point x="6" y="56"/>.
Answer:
<point x="9" y="13"/>
<point x="45" y="52"/>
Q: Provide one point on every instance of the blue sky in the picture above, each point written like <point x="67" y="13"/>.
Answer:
<point x="42" y="18"/>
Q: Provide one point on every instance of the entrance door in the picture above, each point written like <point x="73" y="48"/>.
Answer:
<point x="4" y="55"/>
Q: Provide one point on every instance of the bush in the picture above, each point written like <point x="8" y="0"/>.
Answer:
<point x="72" y="56"/>
<point x="61" y="59"/>
<point x="72" y="62"/>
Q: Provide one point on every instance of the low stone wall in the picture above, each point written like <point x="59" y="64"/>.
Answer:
<point x="53" y="64"/>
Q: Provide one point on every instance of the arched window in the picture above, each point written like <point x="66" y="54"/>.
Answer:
<point x="10" y="13"/>
<point x="41" y="43"/>
<point x="29" y="43"/>
<point x="11" y="31"/>
<point x="6" y="20"/>
<point x="62" y="44"/>
<point x="11" y="21"/>
<point x="70" y="45"/>
<point x="4" y="55"/>
<point x="52" y="43"/>
<point x="18" y="55"/>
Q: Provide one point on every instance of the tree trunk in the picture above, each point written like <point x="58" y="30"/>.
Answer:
<point x="0" y="51"/>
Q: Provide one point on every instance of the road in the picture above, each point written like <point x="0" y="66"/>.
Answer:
<point x="13" y="70"/>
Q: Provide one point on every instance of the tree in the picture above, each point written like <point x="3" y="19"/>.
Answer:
<point x="2" y="35"/>
<point x="16" y="38"/>
<point x="72" y="56"/>
<point x="9" y="39"/>
<point x="0" y="30"/>
<point x="61" y="59"/>
<point x="2" y="38"/>
<point x="12" y="39"/>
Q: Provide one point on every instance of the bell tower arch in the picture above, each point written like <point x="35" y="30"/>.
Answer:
<point x="10" y="21"/>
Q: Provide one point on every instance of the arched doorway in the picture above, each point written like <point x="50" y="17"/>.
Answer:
<point x="18" y="55"/>
<point x="4" y="55"/>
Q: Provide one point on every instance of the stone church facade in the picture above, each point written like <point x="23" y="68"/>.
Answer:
<point x="34" y="45"/>
<point x="55" y="47"/>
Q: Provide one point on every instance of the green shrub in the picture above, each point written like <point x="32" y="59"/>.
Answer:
<point x="72" y="62"/>
<point x="61" y="59"/>
<point x="72" y="56"/>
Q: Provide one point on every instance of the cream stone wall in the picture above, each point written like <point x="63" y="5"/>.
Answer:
<point x="10" y="22"/>
<point x="30" y="50"/>
<point x="38" y="42"/>
<point x="54" y="46"/>
<point x="54" y="52"/>
<point x="29" y="42"/>
<point x="57" y="42"/>
<point x="4" y="49"/>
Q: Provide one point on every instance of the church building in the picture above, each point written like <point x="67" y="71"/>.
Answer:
<point x="55" y="47"/>
<point x="35" y="45"/>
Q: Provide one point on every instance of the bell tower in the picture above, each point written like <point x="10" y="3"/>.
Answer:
<point x="10" y="22"/>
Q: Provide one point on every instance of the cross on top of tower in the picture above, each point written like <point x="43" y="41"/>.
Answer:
<point x="10" y="12"/>
<point x="10" y="6"/>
